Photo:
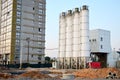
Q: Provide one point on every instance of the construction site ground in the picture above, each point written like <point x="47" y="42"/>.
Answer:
<point x="57" y="74"/>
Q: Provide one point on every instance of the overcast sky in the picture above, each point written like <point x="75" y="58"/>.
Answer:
<point x="103" y="14"/>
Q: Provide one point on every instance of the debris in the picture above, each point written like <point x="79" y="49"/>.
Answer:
<point x="34" y="74"/>
<point x="97" y="73"/>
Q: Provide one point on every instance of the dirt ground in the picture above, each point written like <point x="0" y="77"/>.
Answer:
<point x="98" y="73"/>
<point x="57" y="73"/>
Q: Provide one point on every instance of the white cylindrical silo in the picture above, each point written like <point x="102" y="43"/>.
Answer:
<point x="80" y="24"/>
<point x="85" y="49"/>
<point x="69" y="34"/>
<point x="76" y="33"/>
<point x="62" y="39"/>
<point x="62" y="33"/>
<point x="68" y="39"/>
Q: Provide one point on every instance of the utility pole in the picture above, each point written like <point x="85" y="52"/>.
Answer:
<point x="21" y="56"/>
<point x="28" y="40"/>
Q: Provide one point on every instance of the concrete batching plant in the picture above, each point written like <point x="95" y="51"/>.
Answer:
<point x="74" y="50"/>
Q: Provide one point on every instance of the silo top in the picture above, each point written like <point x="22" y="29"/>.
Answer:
<point x="69" y="12"/>
<point x="84" y="7"/>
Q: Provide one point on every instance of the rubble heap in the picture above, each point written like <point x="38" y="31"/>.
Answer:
<point x="97" y="73"/>
<point x="6" y="76"/>
<point x="34" y="74"/>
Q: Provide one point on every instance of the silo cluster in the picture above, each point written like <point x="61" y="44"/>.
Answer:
<point x="74" y="47"/>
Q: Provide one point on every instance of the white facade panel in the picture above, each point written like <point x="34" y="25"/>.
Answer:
<point x="84" y="40"/>
<point x="76" y="34"/>
<point x="76" y="41"/>
<point x="85" y="47"/>
<point x="62" y="36"/>
<point x="85" y="53"/>
<point x="84" y="33"/>
<point x="69" y="48"/>
<point x="63" y="42"/>
<point x="76" y="54"/>
<point x="68" y="54"/>
<point x="76" y="47"/>
<point x="62" y="30"/>
<point x="62" y="55"/>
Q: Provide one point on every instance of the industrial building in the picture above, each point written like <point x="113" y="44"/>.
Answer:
<point x="100" y="45"/>
<point x="74" y="49"/>
<point x="22" y="31"/>
<point x="78" y="45"/>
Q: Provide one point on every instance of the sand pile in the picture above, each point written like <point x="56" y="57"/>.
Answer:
<point x="96" y="73"/>
<point x="5" y="76"/>
<point x="34" y="74"/>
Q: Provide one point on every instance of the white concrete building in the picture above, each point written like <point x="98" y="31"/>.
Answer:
<point x="113" y="57"/>
<point x="100" y="41"/>
<point x="22" y="30"/>
<point x="100" y="44"/>
<point x="74" y="38"/>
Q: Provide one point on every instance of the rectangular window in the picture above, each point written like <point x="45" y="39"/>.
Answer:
<point x="101" y="46"/>
<point x="39" y="29"/>
<point x="18" y="13"/>
<point x="40" y="11"/>
<point x="40" y="5"/>
<point x="101" y="38"/>
<point x="18" y="7"/>
<point x="39" y="43"/>
<point x="17" y="27"/>
<point x="18" y="21"/>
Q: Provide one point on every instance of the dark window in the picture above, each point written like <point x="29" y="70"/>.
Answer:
<point x="39" y="29"/>
<point x="89" y="40"/>
<point x="101" y="38"/>
<point x="101" y="46"/>
<point x="94" y="39"/>
<point x="33" y="8"/>
<point x="32" y="55"/>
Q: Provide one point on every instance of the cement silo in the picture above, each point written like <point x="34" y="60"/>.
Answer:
<point x="62" y="39"/>
<point x="74" y="38"/>
<point x="85" y="49"/>
<point x="68" y="39"/>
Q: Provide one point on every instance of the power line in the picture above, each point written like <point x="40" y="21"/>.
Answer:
<point x="52" y="49"/>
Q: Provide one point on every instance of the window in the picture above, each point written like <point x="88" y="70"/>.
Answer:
<point x="40" y="12"/>
<point x="89" y="40"/>
<point x="18" y="21"/>
<point x="39" y="43"/>
<point x="18" y="7"/>
<point x="32" y="55"/>
<point x="39" y="37"/>
<point x="40" y="5"/>
<point x="40" y="24"/>
<point x="101" y="46"/>
<point x="101" y="38"/>
<point x="33" y="8"/>
<point x="8" y="13"/>
<point x="39" y="29"/>
<point x="17" y="27"/>
<point x="18" y="13"/>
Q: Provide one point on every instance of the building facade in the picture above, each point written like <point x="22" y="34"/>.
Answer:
<point x="22" y="31"/>
<point x="100" y="45"/>
<point x="74" y="38"/>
